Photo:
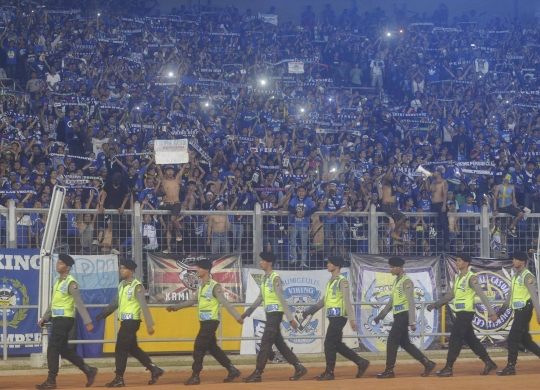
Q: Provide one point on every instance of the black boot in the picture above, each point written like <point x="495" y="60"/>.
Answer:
<point x="428" y="366"/>
<point x="510" y="369"/>
<point x="91" y="373"/>
<point x="118" y="381"/>
<point x="387" y="374"/>
<point x="445" y="372"/>
<point x="255" y="377"/>
<point x="194" y="379"/>
<point x="363" y="364"/>
<point x="233" y="373"/>
<point x="156" y="373"/>
<point x="490" y="365"/>
<point x="328" y="375"/>
<point x="50" y="383"/>
<point x="299" y="372"/>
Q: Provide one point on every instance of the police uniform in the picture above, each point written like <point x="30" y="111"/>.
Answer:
<point x="65" y="297"/>
<point x="130" y="302"/>
<point x="401" y="303"/>
<point x="522" y="299"/>
<point x="338" y="308"/>
<point x="209" y="296"/>
<point x="466" y="287"/>
<point x="275" y="306"/>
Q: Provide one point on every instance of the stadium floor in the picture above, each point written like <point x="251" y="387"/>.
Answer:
<point x="407" y="377"/>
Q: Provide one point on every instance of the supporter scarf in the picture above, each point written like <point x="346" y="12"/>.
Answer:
<point x="72" y="156"/>
<point x="198" y="148"/>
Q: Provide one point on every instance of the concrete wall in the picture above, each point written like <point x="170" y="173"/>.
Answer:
<point x="291" y="10"/>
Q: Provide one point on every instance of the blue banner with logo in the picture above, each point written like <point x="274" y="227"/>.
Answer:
<point x="98" y="280"/>
<point x="19" y="285"/>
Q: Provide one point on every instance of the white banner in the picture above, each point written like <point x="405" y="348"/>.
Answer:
<point x="174" y="151"/>
<point x="269" y="18"/>
<point x="298" y="287"/>
<point x="296" y="67"/>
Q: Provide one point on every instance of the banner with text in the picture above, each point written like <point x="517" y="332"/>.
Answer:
<point x="171" y="278"/>
<point x="306" y="287"/>
<point x="372" y="282"/>
<point x="171" y="151"/>
<point x="19" y="285"/>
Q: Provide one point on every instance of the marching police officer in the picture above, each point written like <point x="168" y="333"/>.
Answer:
<point x="522" y="299"/>
<point x="401" y="303"/>
<point x="130" y="301"/>
<point x="209" y="296"/>
<point x="65" y="297"/>
<point x="338" y="309"/>
<point x="275" y="306"/>
<point x="466" y="286"/>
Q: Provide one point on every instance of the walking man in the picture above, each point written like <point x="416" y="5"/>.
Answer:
<point x="466" y="286"/>
<point x="275" y="306"/>
<point x="209" y="296"/>
<point x="401" y="303"/>
<point x="65" y="297"/>
<point x="522" y="299"/>
<point x="338" y="306"/>
<point x="130" y="302"/>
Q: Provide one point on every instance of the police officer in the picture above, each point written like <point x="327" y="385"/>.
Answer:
<point x="466" y="286"/>
<point x="522" y="299"/>
<point x="338" y="307"/>
<point x="65" y="297"/>
<point x="401" y="303"/>
<point x="130" y="301"/>
<point x="275" y="307"/>
<point x="209" y="296"/>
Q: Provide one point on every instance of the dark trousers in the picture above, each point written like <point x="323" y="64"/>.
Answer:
<point x="272" y="335"/>
<point x="443" y="220"/>
<point x="333" y="344"/>
<point x="399" y="336"/>
<point x="519" y="333"/>
<point x="58" y="344"/>
<point x="206" y="341"/>
<point x="463" y="330"/>
<point x="126" y="343"/>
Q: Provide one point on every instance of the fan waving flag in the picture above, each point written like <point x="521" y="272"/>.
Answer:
<point x="172" y="278"/>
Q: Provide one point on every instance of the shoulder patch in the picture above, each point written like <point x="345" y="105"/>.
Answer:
<point x="73" y="285"/>
<point x="139" y="288"/>
<point x="276" y="281"/>
<point x="345" y="284"/>
<point x="218" y="288"/>
<point x="529" y="279"/>
<point x="474" y="279"/>
<point x="407" y="284"/>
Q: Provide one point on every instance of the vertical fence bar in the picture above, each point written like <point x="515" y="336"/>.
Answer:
<point x="422" y="323"/>
<point x="485" y="248"/>
<point x="220" y="327"/>
<point x="11" y="226"/>
<point x="136" y="233"/>
<point x="373" y="235"/>
<point x="257" y="233"/>
<point x="4" y="331"/>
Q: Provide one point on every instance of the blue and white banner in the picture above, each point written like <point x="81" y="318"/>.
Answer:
<point x="372" y="282"/>
<point x="19" y="285"/>
<point x="298" y="287"/>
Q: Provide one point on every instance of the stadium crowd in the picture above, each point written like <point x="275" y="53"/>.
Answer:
<point x="298" y="118"/>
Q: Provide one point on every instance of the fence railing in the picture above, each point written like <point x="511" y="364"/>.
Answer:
<point x="298" y="244"/>
<point x="421" y="328"/>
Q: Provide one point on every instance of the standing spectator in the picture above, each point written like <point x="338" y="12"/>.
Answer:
<point x="301" y="207"/>
<point x="377" y="71"/>
<point x="333" y="204"/>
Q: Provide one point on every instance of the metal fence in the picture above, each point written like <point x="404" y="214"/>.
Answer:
<point x="421" y="331"/>
<point x="297" y="244"/>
